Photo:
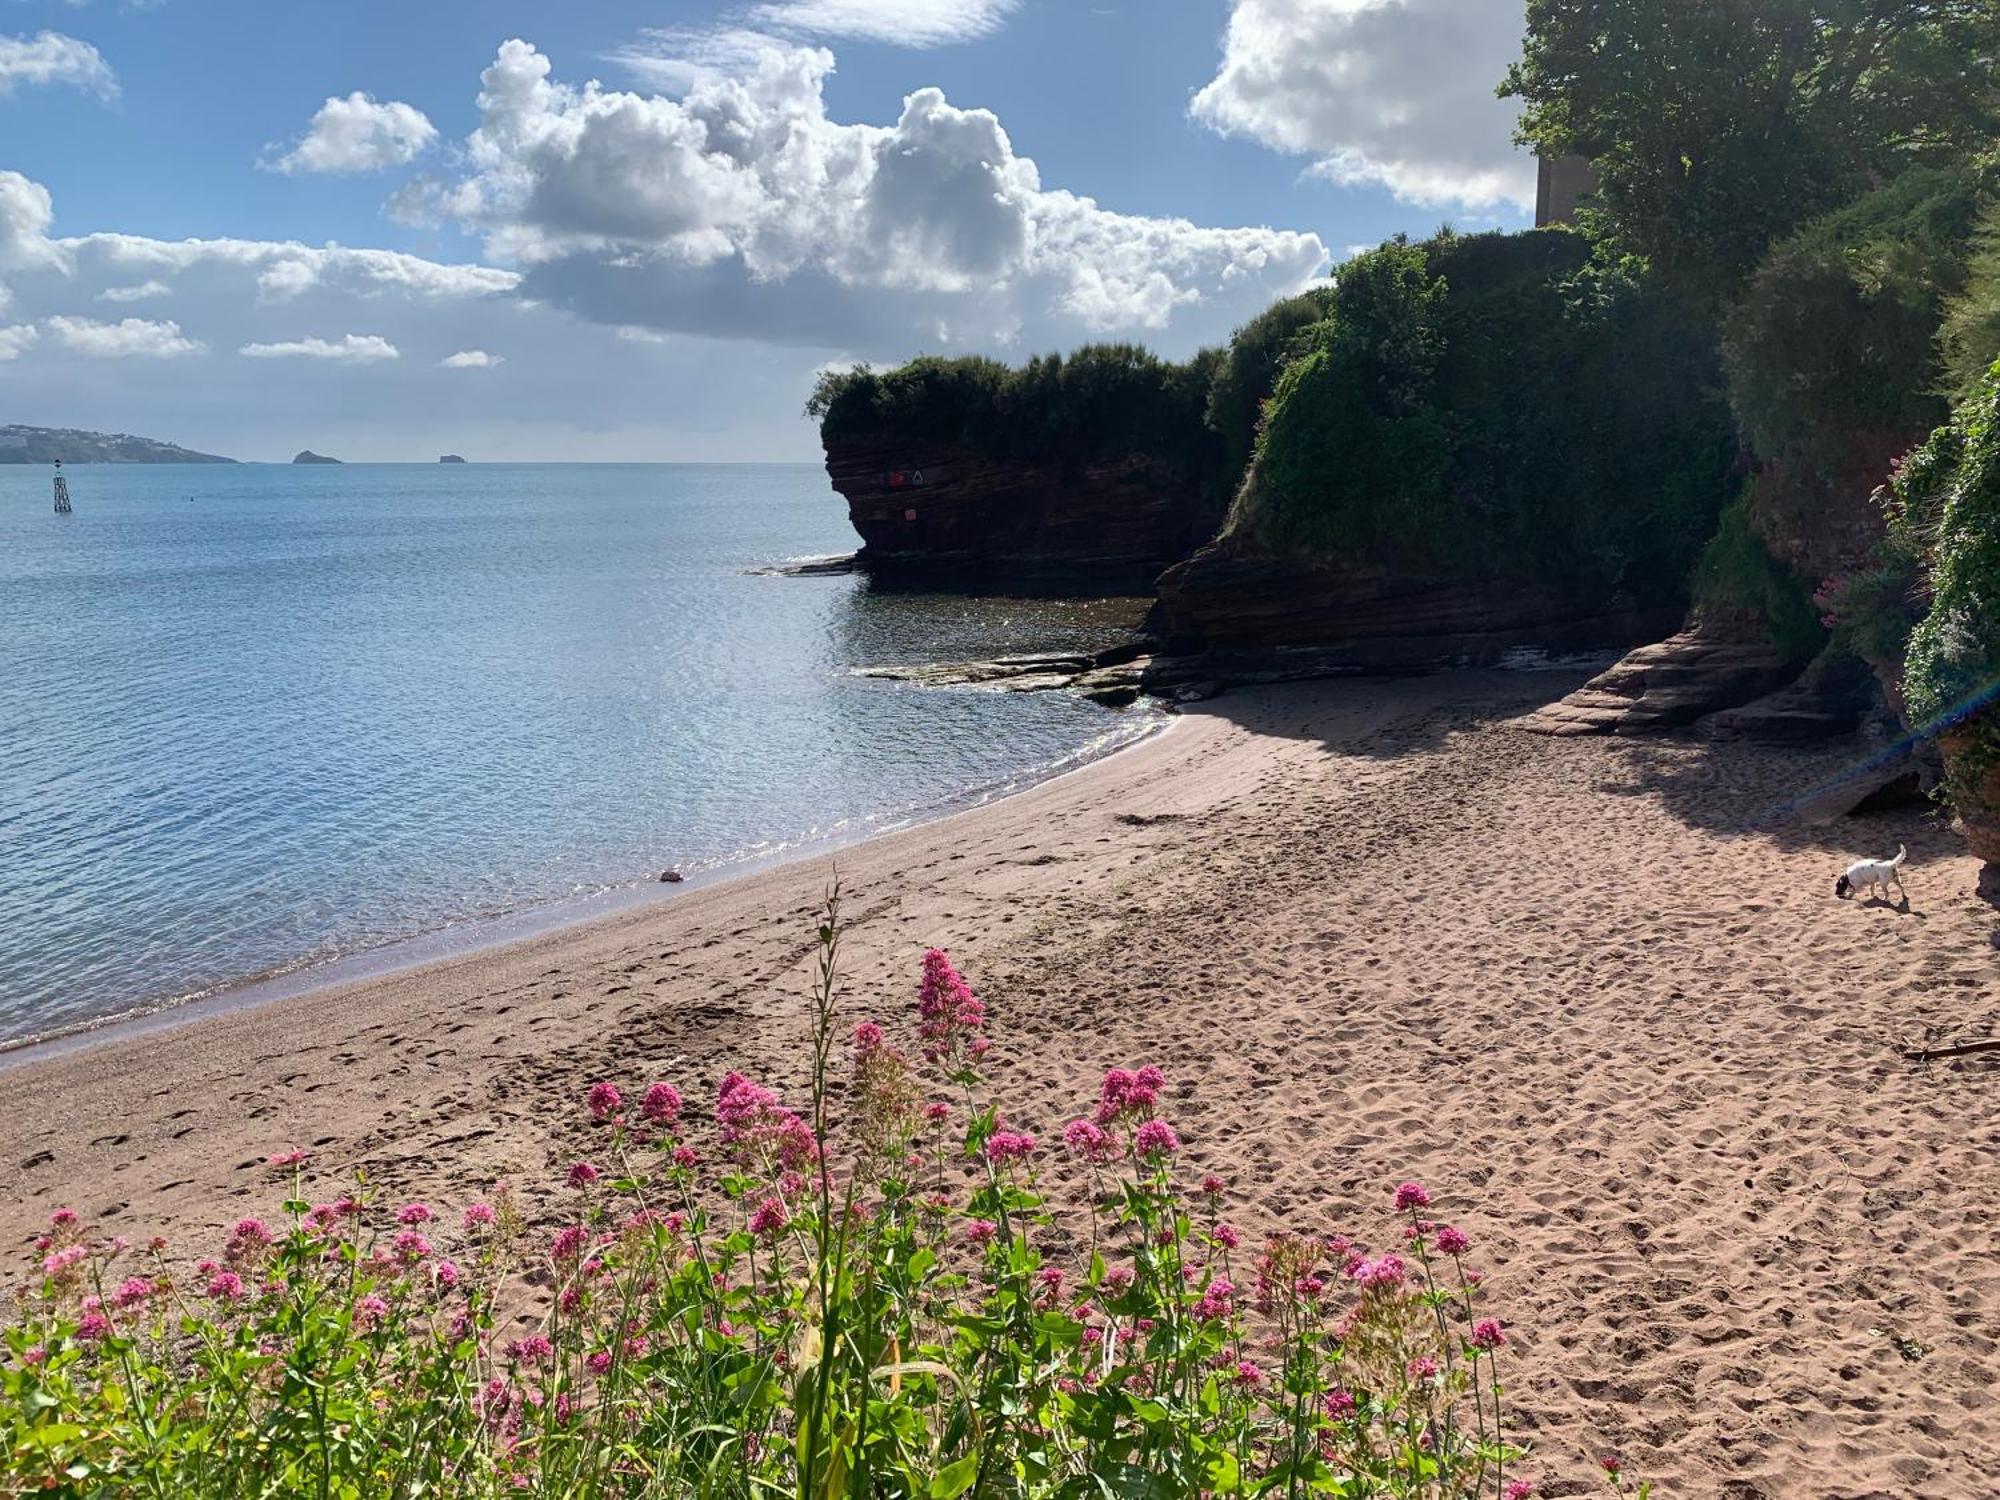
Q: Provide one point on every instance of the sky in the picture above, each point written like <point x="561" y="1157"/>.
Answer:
<point x="613" y="231"/>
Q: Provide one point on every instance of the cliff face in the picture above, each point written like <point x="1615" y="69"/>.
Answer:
<point x="1230" y="597"/>
<point x="940" y="516"/>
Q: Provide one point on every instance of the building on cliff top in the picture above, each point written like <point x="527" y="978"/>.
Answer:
<point x="1561" y="183"/>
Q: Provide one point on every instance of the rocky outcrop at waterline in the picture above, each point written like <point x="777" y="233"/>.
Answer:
<point x="937" y="516"/>
<point x="1232" y="599"/>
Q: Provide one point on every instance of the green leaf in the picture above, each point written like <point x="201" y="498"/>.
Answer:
<point x="955" y="1478"/>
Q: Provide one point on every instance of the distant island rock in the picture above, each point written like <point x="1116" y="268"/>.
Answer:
<point x="307" y="456"/>
<point x="450" y="458"/>
<point x="43" y="445"/>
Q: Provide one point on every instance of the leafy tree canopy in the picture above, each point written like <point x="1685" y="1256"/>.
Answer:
<point x="1717" y="126"/>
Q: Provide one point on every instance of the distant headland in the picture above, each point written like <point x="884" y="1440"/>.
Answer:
<point x="43" y="445"/>
<point x="450" y="458"/>
<point x="307" y="456"/>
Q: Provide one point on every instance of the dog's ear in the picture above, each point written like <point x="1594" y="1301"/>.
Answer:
<point x="1842" y="886"/>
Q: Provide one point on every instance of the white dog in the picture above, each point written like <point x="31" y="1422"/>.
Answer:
<point x="1875" y="874"/>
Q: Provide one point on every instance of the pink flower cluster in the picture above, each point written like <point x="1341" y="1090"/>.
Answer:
<point x="755" y="1123"/>
<point x="1005" y="1146"/>
<point x="1125" y="1095"/>
<point x="950" y="1017"/>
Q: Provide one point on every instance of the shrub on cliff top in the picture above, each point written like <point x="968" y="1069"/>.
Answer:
<point x="766" y="1305"/>
<point x="1105" y="401"/>
<point x="1498" y="405"/>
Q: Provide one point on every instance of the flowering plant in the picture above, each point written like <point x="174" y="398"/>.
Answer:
<point x="770" y="1305"/>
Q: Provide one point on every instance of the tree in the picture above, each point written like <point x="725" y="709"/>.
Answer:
<point x="1717" y="126"/>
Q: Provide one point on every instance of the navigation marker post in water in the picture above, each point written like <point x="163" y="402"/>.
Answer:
<point x="62" y="491"/>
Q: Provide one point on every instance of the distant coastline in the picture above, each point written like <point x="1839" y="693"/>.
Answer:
<point x="76" y="445"/>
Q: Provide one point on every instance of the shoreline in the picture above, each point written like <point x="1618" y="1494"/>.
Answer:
<point x="473" y="936"/>
<point x="1587" y="990"/>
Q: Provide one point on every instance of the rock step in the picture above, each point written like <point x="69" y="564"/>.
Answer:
<point x="1665" y="685"/>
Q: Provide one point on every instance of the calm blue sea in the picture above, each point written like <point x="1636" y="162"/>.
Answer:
<point x="257" y="717"/>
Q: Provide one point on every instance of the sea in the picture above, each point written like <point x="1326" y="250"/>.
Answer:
<point x="256" y="720"/>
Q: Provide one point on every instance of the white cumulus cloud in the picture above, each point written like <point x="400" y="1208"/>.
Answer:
<point x="356" y="348"/>
<point x="15" y="340"/>
<point x="1395" y="93"/>
<point x="25" y="215"/>
<point x="137" y="293"/>
<point x="471" y="359"/>
<point x="358" y="134"/>
<point x="906" y="23"/>
<point x="129" y="338"/>
<point x="738" y="208"/>
<point x="51" y="57"/>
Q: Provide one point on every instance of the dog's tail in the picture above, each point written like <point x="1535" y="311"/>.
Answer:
<point x="1901" y="855"/>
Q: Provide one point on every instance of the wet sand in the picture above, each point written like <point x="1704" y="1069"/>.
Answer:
<point x="1596" y="993"/>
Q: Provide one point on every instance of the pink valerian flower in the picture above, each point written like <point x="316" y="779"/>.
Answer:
<point x="1005" y="1146"/>
<point x="1213" y="1186"/>
<point x="1050" y="1280"/>
<point x="1488" y="1334"/>
<point x="1156" y="1139"/>
<point x="686" y="1156"/>
<point x="531" y="1350"/>
<point x="369" y="1313"/>
<point x="1118" y="1279"/>
<point x="755" y="1124"/>
<point x="247" y="1242"/>
<point x="415" y="1213"/>
<point x="445" y="1274"/>
<point x="1217" y="1299"/>
<point x="937" y="1112"/>
<point x="284" y="1159"/>
<point x="410" y="1246"/>
<point x="63" y="1218"/>
<point x="770" y="1218"/>
<point x="1385" y="1274"/>
<point x="867" y="1038"/>
<point x="1248" y="1375"/>
<point x="1612" y="1464"/>
<point x="60" y="1265"/>
<point x="583" y="1174"/>
<point x="569" y="1244"/>
<point x="478" y="1216"/>
<point x="604" y="1100"/>
<point x="132" y="1291"/>
<point x="661" y="1106"/>
<point x="226" y="1286"/>
<point x="1226" y="1235"/>
<point x="1423" y="1368"/>
<point x="35" y="1355"/>
<point x="949" y="1015"/>
<point x="1087" y="1139"/>
<point x="1451" y="1241"/>
<point x="981" y="1231"/>
<point x="1519" y="1489"/>
<point x="598" y="1362"/>
<point x="1339" y="1404"/>
<point x="1412" y="1195"/>
<point x="93" y="1326"/>
<point x="1125" y="1094"/>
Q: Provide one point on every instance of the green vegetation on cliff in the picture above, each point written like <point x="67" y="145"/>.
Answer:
<point x="1102" y="402"/>
<point x="1947" y="498"/>
<point x="1497" y="404"/>
<point x="1718" y="126"/>
<point x="1833" y="347"/>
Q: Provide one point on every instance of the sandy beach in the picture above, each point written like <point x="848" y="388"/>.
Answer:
<point x="1596" y="993"/>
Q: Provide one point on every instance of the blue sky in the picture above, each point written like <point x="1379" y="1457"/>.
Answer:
<point x="656" y="268"/>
